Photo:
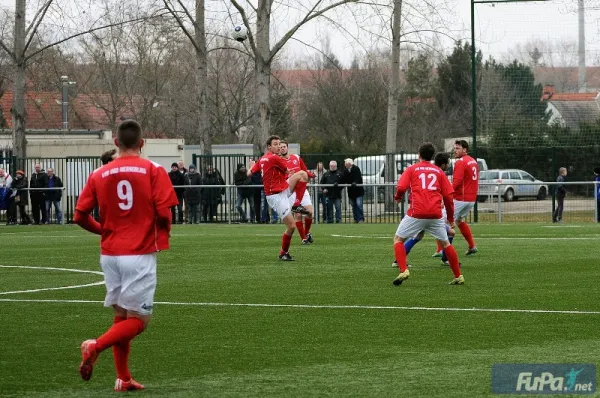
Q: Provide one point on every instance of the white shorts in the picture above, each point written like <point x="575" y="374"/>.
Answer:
<point x="306" y="201"/>
<point x="462" y="209"/>
<point x="280" y="202"/>
<point x="130" y="282"/>
<point x="410" y="227"/>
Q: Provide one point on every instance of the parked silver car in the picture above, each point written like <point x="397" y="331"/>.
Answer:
<point x="516" y="185"/>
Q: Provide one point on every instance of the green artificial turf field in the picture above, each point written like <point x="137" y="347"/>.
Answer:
<point x="232" y="320"/>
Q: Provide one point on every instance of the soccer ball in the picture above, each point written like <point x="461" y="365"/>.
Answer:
<point x="240" y="33"/>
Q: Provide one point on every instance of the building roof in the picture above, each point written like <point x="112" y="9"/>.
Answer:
<point x="573" y="113"/>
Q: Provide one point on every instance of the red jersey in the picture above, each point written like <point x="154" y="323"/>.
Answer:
<point x="430" y="190"/>
<point x="274" y="173"/>
<point x="465" y="179"/>
<point x="128" y="192"/>
<point x="295" y="164"/>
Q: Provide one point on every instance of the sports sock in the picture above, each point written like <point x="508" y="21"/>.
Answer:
<point x="466" y="232"/>
<point x="307" y="224"/>
<point x="400" y="254"/>
<point x="300" y="228"/>
<point x="120" y="332"/>
<point x="444" y="257"/>
<point x="439" y="247"/>
<point x="121" y="355"/>
<point x="410" y="243"/>
<point x="286" y="240"/>
<point x="299" y="191"/>
<point x="453" y="260"/>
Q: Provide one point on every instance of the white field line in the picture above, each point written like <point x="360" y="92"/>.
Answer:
<point x="491" y="238"/>
<point x="327" y="307"/>
<point x="83" y="271"/>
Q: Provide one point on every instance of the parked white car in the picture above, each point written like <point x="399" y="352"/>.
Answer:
<point x="516" y="185"/>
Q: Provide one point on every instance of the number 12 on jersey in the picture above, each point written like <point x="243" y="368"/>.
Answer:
<point x="432" y="180"/>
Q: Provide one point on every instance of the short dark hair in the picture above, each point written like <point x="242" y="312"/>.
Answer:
<point x="462" y="143"/>
<point x="426" y="151"/>
<point x="129" y="134"/>
<point x="284" y="142"/>
<point x="597" y="170"/>
<point x="441" y="159"/>
<point x="271" y="138"/>
<point x="107" y="156"/>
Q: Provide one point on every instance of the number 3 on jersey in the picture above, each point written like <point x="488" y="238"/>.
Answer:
<point x="125" y="194"/>
<point x="433" y="180"/>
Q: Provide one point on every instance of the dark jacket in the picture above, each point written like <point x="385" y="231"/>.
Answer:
<point x="561" y="189"/>
<point x="333" y="177"/>
<point x="192" y="195"/>
<point x="177" y="178"/>
<point x="38" y="180"/>
<point x="256" y="179"/>
<point x="54" y="195"/>
<point x="212" y="195"/>
<point x="241" y="180"/>
<point x="354" y="176"/>
<point x="19" y="184"/>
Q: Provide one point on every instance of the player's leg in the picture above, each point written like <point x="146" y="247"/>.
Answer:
<point x="308" y="218"/>
<point x="411" y="242"/>
<point x="461" y="212"/>
<point x="437" y="228"/>
<point x="280" y="203"/>
<point x="408" y="227"/>
<point x="298" y="220"/>
<point x="298" y="182"/>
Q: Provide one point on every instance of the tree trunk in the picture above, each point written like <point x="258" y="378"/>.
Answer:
<point x="18" y="109"/>
<point x="202" y="78"/>
<point x="393" y="97"/>
<point x="262" y="115"/>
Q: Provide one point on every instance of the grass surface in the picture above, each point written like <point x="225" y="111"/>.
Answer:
<point x="195" y="349"/>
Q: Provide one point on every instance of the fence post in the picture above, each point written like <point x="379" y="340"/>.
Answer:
<point x="596" y="201"/>
<point x="552" y="179"/>
<point x="499" y="206"/>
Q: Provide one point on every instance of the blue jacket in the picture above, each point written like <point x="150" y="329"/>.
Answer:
<point x="597" y="180"/>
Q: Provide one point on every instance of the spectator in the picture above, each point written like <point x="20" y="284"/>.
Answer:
<point x="322" y="199"/>
<point x="561" y="192"/>
<point x="108" y="156"/>
<point x="244" y="192"/>
<point x="353" y="176"/>
<point x="333" y="194"/>
<point x="211" y="196"/>
<point x="20" y="186"/>
<point x="177" y="180"/>
<point x="192" y="195"/>
<point x="597" y="189"/>
<point x="53" y="197"/>
<point x="39" y="179"/>
<point x="7" y="197"/>
<point x="260" y="200"/>
<point x="180" y="166"/>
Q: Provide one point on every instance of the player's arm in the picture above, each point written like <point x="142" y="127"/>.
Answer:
<point x="459" y="174"/>
<point x="254" y="168"/>
<point x="85" y="205"/>
<point x="403" y="185"/>
<point x="447" y="196"/>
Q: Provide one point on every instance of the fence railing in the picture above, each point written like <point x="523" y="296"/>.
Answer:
<point x="218" y="203"/>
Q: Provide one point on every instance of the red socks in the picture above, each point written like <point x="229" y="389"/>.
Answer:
<point x="299" y="191"/>
<point x="120" y="332"/>
<point x="121" y="355"/>
<point x="439" y="246"/>
<point x="466" y="232"/>
<point x="307" y="224"/>
<point x="286" y="240"/>
<point x="400" y="254"/>
<point x="300" y="228"/>
<point x="453" y="260"/>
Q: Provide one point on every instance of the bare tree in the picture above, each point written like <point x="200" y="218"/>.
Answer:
<point x="23" y="52"/>
<point x="260" y="45"/>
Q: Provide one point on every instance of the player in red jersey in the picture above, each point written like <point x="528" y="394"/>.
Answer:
<point x="430" y="190"/>
<point x="134" y="196"/>
<point x="465" y="182"/>
<point x="279" y="188"/>
<point x="295" y="164"/>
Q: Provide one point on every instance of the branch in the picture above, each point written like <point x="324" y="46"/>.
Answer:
<point x="5" y="48"/>
<point x="181" y="25"/>
<point x="33" y="30"/>
<point x="90" y="31"/>
<point x="185" y="10"/>
<point x="229" y="48"/>
<point x="308" y="17"/>
<point x="247" y="23"/>
<point x="331" y="61"/>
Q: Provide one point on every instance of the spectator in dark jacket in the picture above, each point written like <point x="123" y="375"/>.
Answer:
<point x="353" y="176"/>
<point x="561" y="192"/>
<point x="20" y="185"/>
<point x="53" y="197"/>
<point x="211" y="196"/>
<point x="244" y="192"/>
<point x="192" y="195"/>
<point x="333" y="194"/>
<point x="39" y="179"/>
<point x="597" y="192"/>
<point x="177" y="180"/>
<point x="260" y="200"/>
